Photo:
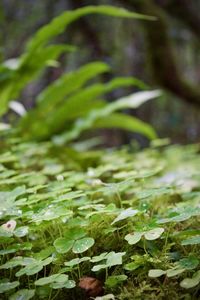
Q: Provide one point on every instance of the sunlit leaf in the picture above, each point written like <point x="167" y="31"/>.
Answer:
<point x="154" y="273"/>
<point x="133" y="238"/>
<point x="191" y="241"/>
<point x="189" y="283"/>
<point x="82" y="245"/>
<point x="63" y="245"/>
<point x="153" y="234"/>
<point x="129" y="212"/>
<point x="7" y="286"/>
<point x="23" y="294"/>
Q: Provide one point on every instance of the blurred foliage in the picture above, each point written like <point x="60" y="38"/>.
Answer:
<point x="67" y="104"/>
<point x="119" y="43"/>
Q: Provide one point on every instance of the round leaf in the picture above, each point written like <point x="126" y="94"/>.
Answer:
<point x="22" y="295"/>
<point x="191" y="241"/>
<point x="75" y="234"/>
<point x="76" y="261"/>
<point x="69" y="284"/>
<point x="115" y="280"/>
<point x="153" y="234"/>
<point x="174" y="272"/>
<point x="83" y="245"/>
<point x="63" y="245"/>
<point x="188" y="283"/>
<point x="189" y="263"/>
<point x="7" y="286"/>
<point x="21" y="231"/>
<point x="125" y="214"/>
<point x="133" y="238"/>
<point x="156" y="273"/>
<point x="59" y="278"/>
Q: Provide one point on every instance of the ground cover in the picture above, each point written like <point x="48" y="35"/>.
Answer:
<point x="115" y="222"/>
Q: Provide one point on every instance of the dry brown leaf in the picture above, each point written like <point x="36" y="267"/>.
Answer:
<point x="92" y="286"/>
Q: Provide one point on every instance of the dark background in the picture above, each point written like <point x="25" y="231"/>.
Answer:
<point x="164" y="54"/>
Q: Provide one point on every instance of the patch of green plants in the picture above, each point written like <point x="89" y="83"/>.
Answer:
<point x="130" y="219"/>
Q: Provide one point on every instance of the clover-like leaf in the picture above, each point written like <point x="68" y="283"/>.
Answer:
<point x="154" y="273"/>
<point x="17" y="261"/>
<point x="153" y="234"/>
<point x="69" y="284"/>
<point x="189" y="263"/>
<point x="127" y="213"/>
<point x="188" y="283"/>
<point x="83" y="245"/>
<point x="58" y="278"/>
<point x="7" y="286"/>
<point x="34" y="267"/>
<point x="100" y="257"/>
<point x="75" y="233"/>
<point x="114" y="258"/>
<point x="23" y="294"/>
<point x="99" y="267"/>
<point x="191" y="241"/>
<point x="112" y="281"/>
<point x="63" y="245"/>
<point x="133" y="238"/>
<point x="76" y="261"/>
<point x="21" y="231"/>
<point x="174" y="272"/>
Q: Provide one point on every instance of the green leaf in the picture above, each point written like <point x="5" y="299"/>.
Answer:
<point x="17" y="261"/>
<point x="69" y="83"/>
<point x="114" y="259"/>
<point x="100" y="257"/>
<point x="154" y="273"/>
<point x="127" y="213"/>
<point x="34" y="267"/>
<point x="153" y="234"/>
<point x="53" y="278"/>
<point x="23" y="294"/>
<point x="49" y="99"/>
<point x="63" y="245"/>
<point x="126" y="122"/>
<point x="60" y="23"/>
<point x="132" y="266"/>
<point x="75" y="233"/>
<point x="99" y="267"/>
<point x="189" y="263"/>
<point x="7" y="286"/>
<point x="85" y="99"/>
<point x="133" y="238"/>
<point x="83" y="245"/>
<point x="189" y="283"/>
<point x="69" y="284"/>
<point x="112" y="281"/>
<point x="29" y="68"/>
<point x="16" y="247"/>
<point x="21" y="231"/>
<point x="88" y="121"/>
<point x="106" y="297"/>
<point x="174" y="272"/>
<point x="76" y="261"/>
<point x="191" y="241"/>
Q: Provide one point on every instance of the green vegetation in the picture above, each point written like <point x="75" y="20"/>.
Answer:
<point x="128" y="218"/>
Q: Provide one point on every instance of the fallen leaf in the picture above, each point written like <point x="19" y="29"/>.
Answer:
<point x="92" y="286"/>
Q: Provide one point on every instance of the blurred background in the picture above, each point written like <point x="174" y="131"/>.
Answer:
<point x="163" y="54"/>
